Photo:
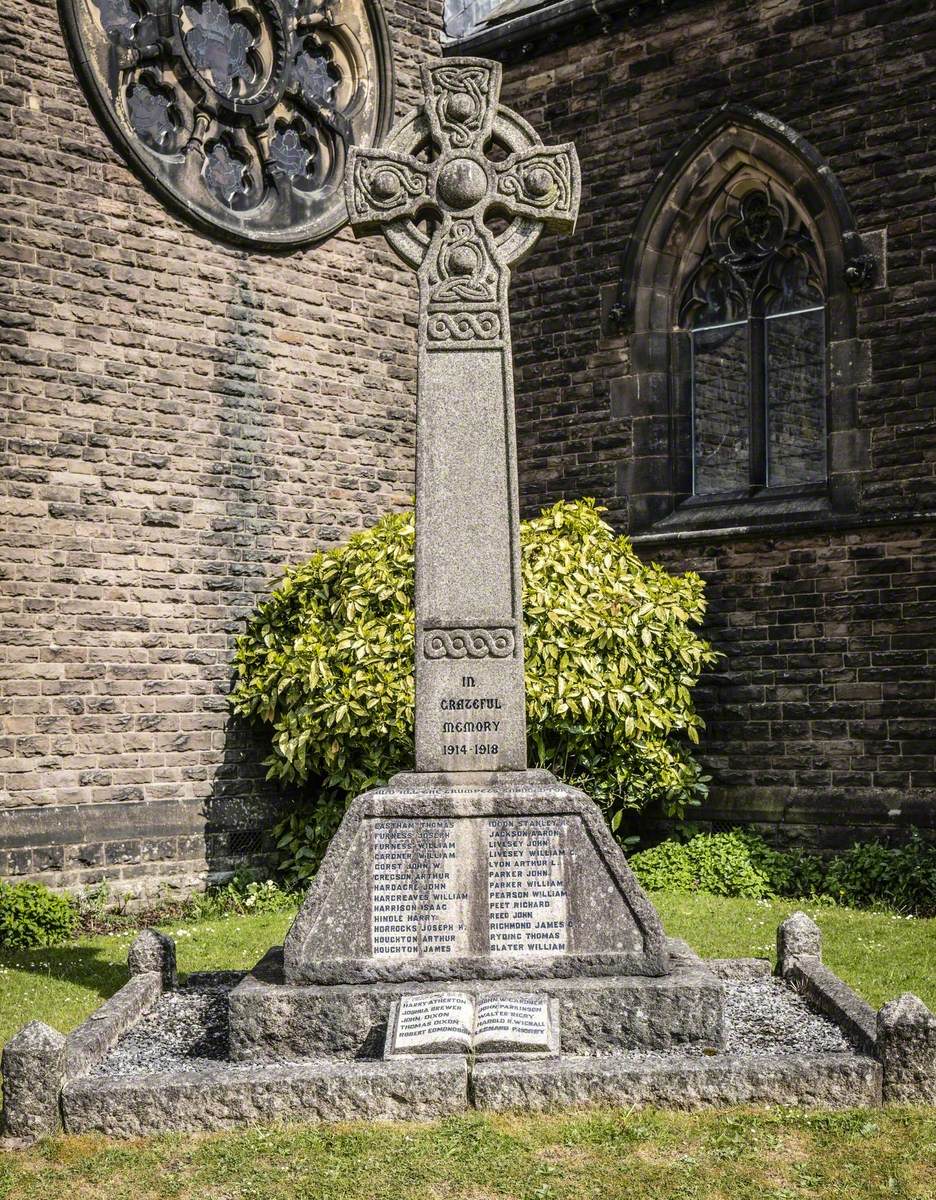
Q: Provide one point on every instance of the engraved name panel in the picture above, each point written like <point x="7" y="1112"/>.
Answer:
<point x="419" y="893"/>
<point x="446" y="1017"/>
<point x="527" y="899"/>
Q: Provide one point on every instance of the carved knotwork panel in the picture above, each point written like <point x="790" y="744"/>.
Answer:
<point x="240" y="112"/>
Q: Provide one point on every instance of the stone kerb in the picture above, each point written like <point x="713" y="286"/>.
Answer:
<point x="33" y="1075"/>
<point x="100" y="1033"/>
<point x="906" y="1047"/>
<point x="393" y="902"/>
<point x="799" y="962"/>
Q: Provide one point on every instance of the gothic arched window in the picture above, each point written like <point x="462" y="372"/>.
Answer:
<point x="754" y="310"/>
<point x="737" y="310"/>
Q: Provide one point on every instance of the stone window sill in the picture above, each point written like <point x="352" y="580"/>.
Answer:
<point x="723" y="518"/>
<point x="748" y="507"/>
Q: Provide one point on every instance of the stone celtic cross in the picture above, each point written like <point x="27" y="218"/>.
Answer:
<point x="470" y="708"/>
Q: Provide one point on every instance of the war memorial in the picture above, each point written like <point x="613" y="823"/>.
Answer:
<point x="474" y="936"/>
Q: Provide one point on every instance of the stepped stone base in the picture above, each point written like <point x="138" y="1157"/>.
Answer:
<point x="234" y="1097"/>
<point x="272" y="1020"/>
<point x="231" y="1097"/>
<point x="826" y="1081"/>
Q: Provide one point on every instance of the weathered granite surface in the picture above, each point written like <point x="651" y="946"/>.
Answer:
<point x="153" y="951"/>
<point x="470" y="712"/>
<point x="231" y="1097"/>
<point x="96" y="1036"/>
<point x="739" y="968"/>
<point x="33" y="1073"/>
<point x="906" y="1047"/>
<point x="270" y="1019"/>
<point x="826" y="1081"/>
<point x="520" y="846"/>
<point x="829" y="994"/>
<point x="797" y="937"/>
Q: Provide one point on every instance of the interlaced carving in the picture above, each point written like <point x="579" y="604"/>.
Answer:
<point x="462" y="100"/>
<point x="240" y="111"/>
<point x="759" y="258"/>
<point x="539" y="184"/>
<point x="468" y="643"/>
<point x="463" y="267"/>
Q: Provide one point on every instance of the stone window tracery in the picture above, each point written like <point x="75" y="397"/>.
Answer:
<point x="735" y="316"/>
<point x="754" y="309"/>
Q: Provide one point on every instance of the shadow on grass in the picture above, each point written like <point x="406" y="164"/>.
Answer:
<point x="80" y="965"/>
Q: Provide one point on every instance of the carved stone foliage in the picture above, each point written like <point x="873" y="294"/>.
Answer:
<point x="239" y="112"/>
<point x="759" y="258"/>
<point x="436" y="165"/>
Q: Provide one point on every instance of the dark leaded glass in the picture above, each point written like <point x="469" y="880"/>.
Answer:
<point x="218" y="45"/>
<point x="289" y="154"/>
<point x="758" y="365"/>
<point x="153" y="115"/>
<point x="315" y="73"/>
<point x="119" y="19"/>
<point x="720" y="408"/>
<point x="226" y="175"/>
<point x="796" y="427"/>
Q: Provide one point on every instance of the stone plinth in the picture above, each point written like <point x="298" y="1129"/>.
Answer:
<point x="826" y="1081"/>
<point x="273" y="1020"/>
<point x="515" y="876"/>
<point x="232" y="1098"/>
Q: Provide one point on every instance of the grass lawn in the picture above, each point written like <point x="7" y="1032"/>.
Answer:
<point x="606" y="1155"/>
<point x="609" y="1154"/>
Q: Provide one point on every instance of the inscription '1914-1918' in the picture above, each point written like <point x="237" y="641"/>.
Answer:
<point x="466" y="717"/>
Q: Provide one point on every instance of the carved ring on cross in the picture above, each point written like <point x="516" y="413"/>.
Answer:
<point x="435" y="162"/>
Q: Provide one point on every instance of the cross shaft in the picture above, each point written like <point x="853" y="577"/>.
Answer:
<point x="470" y="708"/>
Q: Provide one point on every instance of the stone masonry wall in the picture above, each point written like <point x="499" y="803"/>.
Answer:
<point x="822" y="711"/>
<point x="180" y="420"/>
<point x="820" y="715"/>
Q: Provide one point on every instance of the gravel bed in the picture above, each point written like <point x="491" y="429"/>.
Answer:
<point x="188" y="1029"/>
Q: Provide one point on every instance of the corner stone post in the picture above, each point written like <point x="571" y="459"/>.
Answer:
<point x="154" y="951"/>
<point x="797" y="937"/>
<point x="33" y="1078"/>
<point x="906" y="1048"/>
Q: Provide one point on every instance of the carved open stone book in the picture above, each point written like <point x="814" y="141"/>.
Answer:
<point x="459" y="1023"/>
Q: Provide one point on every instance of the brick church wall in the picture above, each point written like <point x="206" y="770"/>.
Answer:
<point x="180" y="420"/>
<point x="821" y="714"/>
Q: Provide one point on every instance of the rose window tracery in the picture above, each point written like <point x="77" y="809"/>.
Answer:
<point x="241" y="112"/>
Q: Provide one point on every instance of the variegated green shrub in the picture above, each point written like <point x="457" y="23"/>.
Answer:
<point x="611" y="660"/>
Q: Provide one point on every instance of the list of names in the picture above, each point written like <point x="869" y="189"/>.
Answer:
<point x="418" y="905"/>
<point x="527" y="900"/>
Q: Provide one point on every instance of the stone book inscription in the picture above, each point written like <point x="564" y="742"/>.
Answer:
<point x="458" y="1023"/>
